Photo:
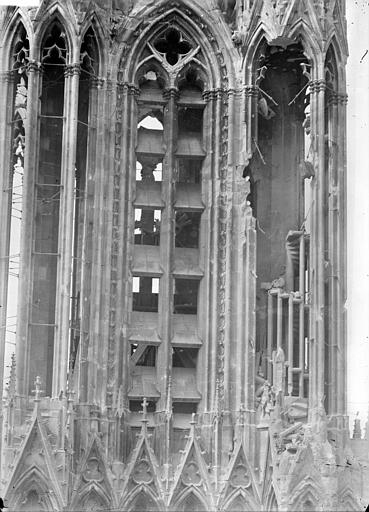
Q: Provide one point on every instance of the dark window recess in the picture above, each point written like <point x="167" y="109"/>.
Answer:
<point x="187" y="229"/>
<point x="184" y="357"/>
<point x="147" y="226"/>
<point x="136" y="406"/>
<point x="190" y="120"/>
<point x="184" y="407"/>
<point x="147" y="357"/>
<point x="185" y="296"/>
<point x="173" y="45"/>
<point x="145" y="294"/>
<point x="189" y="170"/>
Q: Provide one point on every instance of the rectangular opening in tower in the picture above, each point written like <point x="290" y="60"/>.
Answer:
<point x="185" y="296"/>
<point x="145" y="293"/>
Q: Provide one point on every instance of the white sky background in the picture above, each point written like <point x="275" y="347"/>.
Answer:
<point x="358" y="207"/>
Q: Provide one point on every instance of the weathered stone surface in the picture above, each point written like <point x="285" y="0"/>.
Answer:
<point x="255" y="353"/>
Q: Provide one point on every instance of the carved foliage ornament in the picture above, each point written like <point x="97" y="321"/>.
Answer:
<point x="142" y="473"/>
<point x="93" y="471"/>
<point x="240" y="477"/>
<point x="191" y="474"/>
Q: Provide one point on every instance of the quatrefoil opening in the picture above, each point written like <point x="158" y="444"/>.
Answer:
<point x="173" y="46"/>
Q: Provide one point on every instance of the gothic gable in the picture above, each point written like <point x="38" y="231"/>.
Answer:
<point x="143" y="483"/>
<point x="93" y="485"/>
<point x="267" y="492"/>
<point x="191" y="477"/>
<point x="34" y="474"/>
<point x="240" y="489"/>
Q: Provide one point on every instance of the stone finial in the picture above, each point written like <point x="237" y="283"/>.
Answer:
<point x="366" y="435"/>
<point x="37" y="391"/>
<point x="192" y="425"/>
<point x="12" y="377"/>
<point x="357" y="427"/>
<point x="144" y="419"/>
<point x="168" y="407"/>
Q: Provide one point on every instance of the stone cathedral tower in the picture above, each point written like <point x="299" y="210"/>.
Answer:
<point x="172" y="256"/>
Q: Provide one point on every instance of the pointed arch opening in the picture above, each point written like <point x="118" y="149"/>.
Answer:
<point x="143" y="502"/>
<point x="45" y="255"/>
<point x="84" y="179"/>
<point x="278" y="169"/>
<point x="15" y="140"/>
<point x="31" y="491"/>
<point x="306" y="497"/>
<point x="331" y="224"/>
<point x="168" y="203"/>
<point x="92" y="499"/>
<point x="240" y="504"/>
<point x="191" y="502"/>
<point x="33" y="502"/>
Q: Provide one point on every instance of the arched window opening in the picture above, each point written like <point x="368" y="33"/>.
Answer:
<point x="20" y="55"/>
<point x="48" y="194"/>
<point x="149" y="162"/>
<point x="167" y="211"/>
<point x="331" y="219"/>
<point x="151" y="83"/>
<point x="143" y="503"/>
<point x="191" y="503"/>
<point x="308" y="506"/>
<point x="280" y="159"/>
<point x="239" y="504"/>
<point x="83" y="190"/>
<point x="33" y="501"/>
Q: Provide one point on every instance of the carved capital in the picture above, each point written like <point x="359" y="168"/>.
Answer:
<point x="128" y="88"/>
<point x="72" y="69"/>
<point x="7" y="77"/>
<point x="171" y="93"/>
<point x="317" y="86"/>
<point x="34" y="67"/>
<point x="333" y="98"/>
<point x="251" y="91"/>
<point x="342" y="98"/>
<point x="213" y="94"/>
<point x="207" y="96"/>
<point x="219" y="93"/>
<point x="97" y="82"/>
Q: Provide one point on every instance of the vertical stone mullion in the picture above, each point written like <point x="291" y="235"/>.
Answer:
<point x="313" y="257"/>
<point x="6" y="108"/>
<point x="318" y="242"/>
<point x="206" y="371"/>
<point x="167" y="229"/>
<point x="89" y="294"/>
<point x="213" y="270"/>
<point x="65" y="243"/>
<point x="228" y="151"/>
<point x="332" y="236"/>
<point x="23" y="339"/>
<point x="341" y="255"/>
<point x="95" y="198"/>
<point x="128" y="158"/>
<point x="251" y="117"/>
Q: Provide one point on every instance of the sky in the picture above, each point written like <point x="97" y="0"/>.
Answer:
<point x="358" y="208"/>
